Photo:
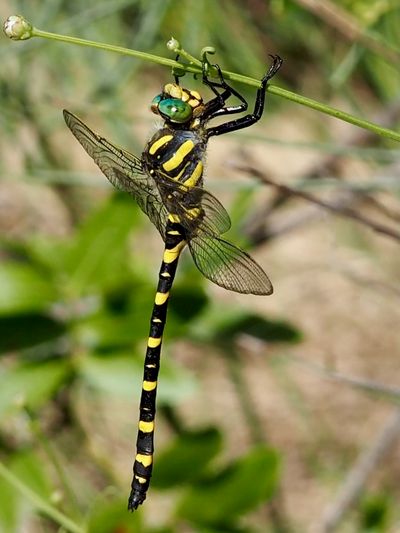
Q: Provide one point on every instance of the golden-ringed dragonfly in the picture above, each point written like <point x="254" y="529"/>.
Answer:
<point x="167" y="183"/>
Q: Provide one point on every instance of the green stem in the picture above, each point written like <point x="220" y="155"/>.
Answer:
<point x="333" y="112"/>
<point x="117" y="49"/>
<point x="44" y="442"/>
<point x="194" y="68"/>
<point x="38" y="502"/>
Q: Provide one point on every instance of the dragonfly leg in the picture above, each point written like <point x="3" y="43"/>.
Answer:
<point x="251" y="118"/>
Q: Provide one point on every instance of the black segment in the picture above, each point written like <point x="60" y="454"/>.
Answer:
<point x="147" y="410"/>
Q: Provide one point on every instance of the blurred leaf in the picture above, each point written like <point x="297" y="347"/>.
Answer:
<point x="260" y="328"/>
<point x="118" y="374"/>
<point x="124" y="320"/>
<point x="187" y="301"/>
<point x="238" y="489"/>
<point x="23" y="289"/>
<point x="121" y="374"/>
<point x="24" y="331"/>
<point x="8" y="513"/>
<point x="32" y="384"/>
<point x="104" y="331"/>
<point x="224" y="529"/>
<point x="29" y="468"/>
<point x="223" y="325"/>
<point x="187" y="458"/>
<point x="98" y="255"/>
<point x="112" y="517"/>
<point x="47" y="252"/>
<point x="374" y="513"/>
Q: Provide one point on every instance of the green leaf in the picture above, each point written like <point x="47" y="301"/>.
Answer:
<point x="105" y="331"/>
<point x="112" y="516"/>
<point x="31" y="384"/>
<point x="24" y="331"/>
<point x="98" y="254"/>
<point x="122" y="322"/>
<point x="23" y="289"/>
<point x="8" y="513"/>
<point x="375" y="512"/>
<point x="259" y="327"/>
<point x="29" y="468"/>
<point x="241" y="487"/>
<point x="187" y="458"/>
<point x="121" y="374"/>
<point x="187" y="301"/>
<point x="46" y="252"/>
<point x="224" y="325"/>
<point x="29" y="487"/>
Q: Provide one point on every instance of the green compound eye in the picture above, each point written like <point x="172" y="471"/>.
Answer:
<point x="156" y="100"/>
<point x="175" y="110"/>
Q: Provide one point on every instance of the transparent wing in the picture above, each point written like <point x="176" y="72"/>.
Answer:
<point x="156" y="197"/>
<point x="122" y="169"/>
<point x="197" y="209"/>
<point x="228" y="266"/>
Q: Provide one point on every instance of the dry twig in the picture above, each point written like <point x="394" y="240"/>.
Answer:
<point x="358" y="475"/>
<point x="341" y="210"/>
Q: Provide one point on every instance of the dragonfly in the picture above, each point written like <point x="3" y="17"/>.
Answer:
<point x="167" y="184"/>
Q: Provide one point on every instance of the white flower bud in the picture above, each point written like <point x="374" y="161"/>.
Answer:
<point x="173" y="45"/>
<point x="16" y="27"/>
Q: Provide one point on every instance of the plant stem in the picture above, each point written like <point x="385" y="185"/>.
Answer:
<point x="38" y="502"/>
<point x="196" y="69"/>
<point x="112" y="48"/>
<point x="333" y="112"/>
<point x="53" y="459"/>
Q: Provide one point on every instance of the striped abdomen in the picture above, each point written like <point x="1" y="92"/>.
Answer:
<point x="177" y="154"/>
<point x="143" y="466"/>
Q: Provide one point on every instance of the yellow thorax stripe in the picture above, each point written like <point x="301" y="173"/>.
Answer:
<point x="196" y="175"/>
<point x="159" y="143"/>
<point x="174" y="162"/>
<point x="174" y="218"/>
<point x="194" y="213"/>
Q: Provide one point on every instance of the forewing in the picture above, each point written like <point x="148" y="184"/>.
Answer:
<point x="228" y="266"/>
<point x="122" y="169"/>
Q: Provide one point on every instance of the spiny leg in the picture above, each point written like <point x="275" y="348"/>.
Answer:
<point x="250" y="119"/>
<point x="143" y="466"/>
<point x="216" y="106"/>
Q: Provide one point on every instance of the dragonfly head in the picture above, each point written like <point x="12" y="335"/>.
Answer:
<point x="176" y="104"/>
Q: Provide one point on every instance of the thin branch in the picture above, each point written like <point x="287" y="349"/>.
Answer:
<point x="367" y="385"/>
<point x="358" y="476"/>
<point x="18" y="28"/>
<point x="339" y="210"/>
<point x="348" y="25"/>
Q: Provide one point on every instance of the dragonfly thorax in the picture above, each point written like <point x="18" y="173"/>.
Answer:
<point x="177" y="154"/>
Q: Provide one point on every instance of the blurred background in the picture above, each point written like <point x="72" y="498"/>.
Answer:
<point x="275" y="414"/>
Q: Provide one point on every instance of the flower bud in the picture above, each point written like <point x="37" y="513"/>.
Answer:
<point x="17" y="28"/>
<point x="173" y="45"/>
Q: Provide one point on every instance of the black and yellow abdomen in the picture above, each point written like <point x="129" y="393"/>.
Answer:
<point x="143" y="465"/>
<point x="177" y="154"/>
